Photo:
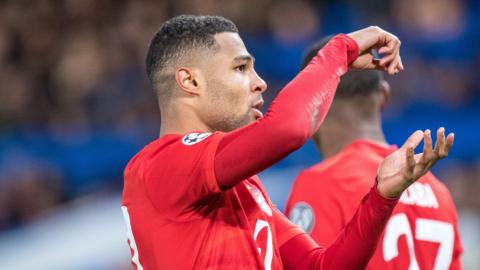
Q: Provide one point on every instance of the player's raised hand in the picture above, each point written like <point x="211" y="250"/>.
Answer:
<point x="386" y="44"/>
<point x="401" y="168"/>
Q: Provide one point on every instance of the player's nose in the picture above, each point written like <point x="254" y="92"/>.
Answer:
<point x="259" y="85"/>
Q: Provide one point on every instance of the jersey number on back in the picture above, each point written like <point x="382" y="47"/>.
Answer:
<point x="426" y="230"/>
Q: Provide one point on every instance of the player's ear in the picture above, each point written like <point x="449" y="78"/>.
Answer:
<point x="188" y="80"/>
<point x="384" y="92"/>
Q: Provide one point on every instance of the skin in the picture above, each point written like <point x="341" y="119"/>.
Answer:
<point x="362" y="116"/>
<point x="232" y="69"/>
<point x="221" y="95"/>
<point x="219" y="90"/>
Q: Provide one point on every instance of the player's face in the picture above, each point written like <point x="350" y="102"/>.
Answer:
<point x="233" y="88"/>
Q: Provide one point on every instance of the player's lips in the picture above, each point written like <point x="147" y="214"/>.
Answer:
<point x="256" y="108"/>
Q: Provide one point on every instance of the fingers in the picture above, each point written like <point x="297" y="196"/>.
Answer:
<point x="414" y="140"/>
<point x="392" y="60"/>
<point x="410" y="144"/>
<point x="393" y="67"/>
<point x="429" y="157"/>
<point x="449" y="143"/>
<point x="389" y="57"/>
<point x="440" y="144"/>
<point x="410" y="170"/>
<point x="443" y="145"/>
<point x="388" y="49"/>
<point x="427" y="145"/>
<point x="400" y="64"/>
<point x="387" y="44"/>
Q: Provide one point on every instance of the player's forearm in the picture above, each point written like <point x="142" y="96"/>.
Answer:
<point x="358" y="241"/>
<point x="293" y="117"/>
<point x="302" y="105"/>
<point x="354" y="246"/>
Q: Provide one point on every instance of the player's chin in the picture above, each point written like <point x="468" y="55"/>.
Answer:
<point x="255" y="114"/>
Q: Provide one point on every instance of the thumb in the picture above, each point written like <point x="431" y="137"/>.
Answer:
<point x="414" y="140"/>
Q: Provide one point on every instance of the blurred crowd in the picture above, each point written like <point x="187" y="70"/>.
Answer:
<point x="76" y="103"/>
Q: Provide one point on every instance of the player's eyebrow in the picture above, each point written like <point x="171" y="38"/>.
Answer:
<point x="246" y="57"/>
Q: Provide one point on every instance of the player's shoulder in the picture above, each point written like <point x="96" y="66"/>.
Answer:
<point x="437" y="185"/>
<point x="328" y="164"/>
<point x="321" y="175"/>
<point x="182" y="142"/>
<point x="196" y="138"/>
<point x="314" y="175"/>
<point x="326" y="169"/>
<point x="175" y="148"/>
<point x="359" y="152"/>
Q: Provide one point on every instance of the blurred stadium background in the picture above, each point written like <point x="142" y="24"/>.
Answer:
<point x="76" y="105"/>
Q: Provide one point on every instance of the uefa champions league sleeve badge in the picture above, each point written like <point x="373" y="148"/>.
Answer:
<point x="194" y="138"/>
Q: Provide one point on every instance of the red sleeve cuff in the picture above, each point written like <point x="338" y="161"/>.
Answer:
<point x="378" y="199"/>
<point x="352" y="47"/>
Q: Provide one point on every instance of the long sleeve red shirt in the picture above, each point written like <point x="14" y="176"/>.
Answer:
<point x="194" y="202"/>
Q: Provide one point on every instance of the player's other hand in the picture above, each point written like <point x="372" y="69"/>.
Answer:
<point x="401" y="168"/>
<point x="386" y="44"/>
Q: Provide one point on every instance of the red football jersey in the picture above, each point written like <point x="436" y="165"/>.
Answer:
<point x="422" y="232"/>
<point x="179" y="218"/>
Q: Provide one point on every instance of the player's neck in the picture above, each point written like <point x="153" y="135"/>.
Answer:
<point x="335" y="137"/>
<point x="180" y="121"/>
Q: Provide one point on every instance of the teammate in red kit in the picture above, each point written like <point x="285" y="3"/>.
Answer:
<point x="192" y="199"/>
<point x="422" y="232"/>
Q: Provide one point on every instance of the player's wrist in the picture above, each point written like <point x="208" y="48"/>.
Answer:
<point x="353" y="49"/>
<point x="384" y="194"/>
<point x="366" y="37"/>
<point x="377" y="196"/>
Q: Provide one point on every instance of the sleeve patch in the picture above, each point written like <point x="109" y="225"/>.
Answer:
<point x="302" y="215"/>
<point x="194" y="138"/>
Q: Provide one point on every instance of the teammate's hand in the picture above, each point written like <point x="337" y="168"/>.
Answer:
<point x="386" y="44"/>
<point x="401" y="168"/>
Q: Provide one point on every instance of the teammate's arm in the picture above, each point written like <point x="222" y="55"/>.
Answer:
<point x="301" y="106"/>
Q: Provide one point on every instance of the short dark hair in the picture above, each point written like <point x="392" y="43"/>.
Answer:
<point x="180" y="34"/>
<point x="354" y="82"/>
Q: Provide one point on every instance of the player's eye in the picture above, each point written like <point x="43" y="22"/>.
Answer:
<point x="241" y="68"/>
